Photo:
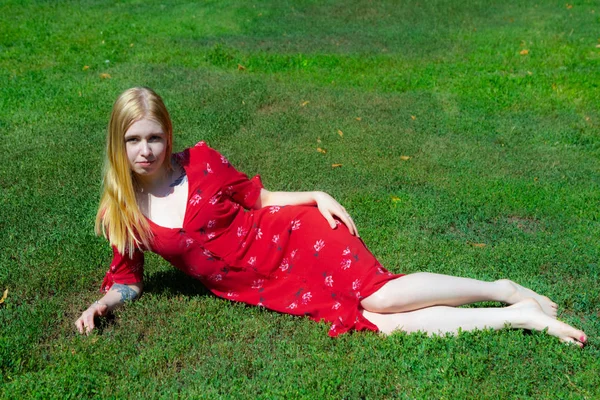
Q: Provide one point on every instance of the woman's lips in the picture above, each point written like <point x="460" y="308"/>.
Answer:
<point x="145" y="163"/>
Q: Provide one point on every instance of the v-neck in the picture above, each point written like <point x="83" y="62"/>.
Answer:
<point x="185" y="213"/>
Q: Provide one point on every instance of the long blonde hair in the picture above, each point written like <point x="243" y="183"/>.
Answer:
<point x="119" y="218"/>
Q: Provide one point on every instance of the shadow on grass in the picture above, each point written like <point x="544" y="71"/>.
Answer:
<point x="174" y="283"/>
<point x="170" y="283"/>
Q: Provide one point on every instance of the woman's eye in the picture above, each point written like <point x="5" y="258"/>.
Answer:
<point x="131" y="140"/>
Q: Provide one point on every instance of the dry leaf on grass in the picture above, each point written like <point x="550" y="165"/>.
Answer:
<point x="395" y="199"/>
<point x="105" y="76"/>
<point x="336" y="165"/>
<point x="322" y="151"/>
<point x="4" y="296"/>
<point x="304" y="103"/>
<point x="86" y="67"/>
<point x="413" y="117"/>
<point x="340" y="133"/>
<point x="479" y="245"/>
<point x="405" y="158"/>
<point x="358" y="118"/>
<point x="524" y="52"/>
<point x="241" y="67"/>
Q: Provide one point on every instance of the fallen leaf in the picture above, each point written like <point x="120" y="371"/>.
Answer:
<point x="358" y="118"/>
<point x="529" y="73"/>
<point x="336" y="165"/>
<point x="395" y="199"/>
<point x="405" y="158"/>
<point x="80" y="94"/>
<point x="569" y="6"/>
<point x="340" y="133"/>
<point x="304" y="103"/>
<point x="318" y="140"/>
<point x="86" y="67"/>
<point x="241" y="67"/>
<point x="587" y="118"/>
<point x="105" y="76"/>
<point x="598" y="46"/>
<point x="130" y="44"/>
<point x="524" y="52"/>
<point x="479" y="245"/>
<point x="413" y="117"/>
<point x="4" y="296"/>
<point x="322" y="151"/>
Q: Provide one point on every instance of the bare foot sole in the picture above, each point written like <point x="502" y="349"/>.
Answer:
<point x="519" y="293"/>
<point x="534" y="318"/>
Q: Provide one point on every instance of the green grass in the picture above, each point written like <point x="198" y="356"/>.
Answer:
<point x="504" y="150"/>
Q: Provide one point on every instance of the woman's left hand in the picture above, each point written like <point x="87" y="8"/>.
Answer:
<point x="330" y="208"/>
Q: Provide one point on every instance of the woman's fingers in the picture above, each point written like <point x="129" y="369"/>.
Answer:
<point x="329" y="218"/>
<point x="342" y="216"/>
<point x="85" y="323"/>
<point x="79" y="325"/>
<point x="90" y="324"/>
<point x="330" y="208"/>
<point x="349" y="222"/>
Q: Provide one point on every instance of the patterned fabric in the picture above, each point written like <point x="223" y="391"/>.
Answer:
<point x="286" y="259"/>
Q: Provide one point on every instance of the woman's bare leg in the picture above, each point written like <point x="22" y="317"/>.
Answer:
<point x="526" y="314"/>
<point x="424" y="289"/>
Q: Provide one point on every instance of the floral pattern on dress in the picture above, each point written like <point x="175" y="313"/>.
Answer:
<point x="287" y="259"/>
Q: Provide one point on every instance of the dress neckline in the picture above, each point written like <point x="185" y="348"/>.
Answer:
<point x="187" y="202"/>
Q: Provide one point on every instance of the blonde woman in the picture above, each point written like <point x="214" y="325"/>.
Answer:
<point x="297" y="253"/>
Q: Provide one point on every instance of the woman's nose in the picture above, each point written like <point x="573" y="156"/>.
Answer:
<point x="146" y="151"/>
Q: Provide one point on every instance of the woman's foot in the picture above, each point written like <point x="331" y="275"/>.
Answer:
<point x="517" y="293"/>
<point x="532" y="317"/>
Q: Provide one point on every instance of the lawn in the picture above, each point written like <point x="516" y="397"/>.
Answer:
<point x="468" y="138"/>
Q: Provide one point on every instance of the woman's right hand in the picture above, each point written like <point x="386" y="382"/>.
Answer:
<point x="85" y="323"/>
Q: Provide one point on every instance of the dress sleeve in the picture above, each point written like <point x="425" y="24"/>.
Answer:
<point x="232" y="182"/>
<point x="124" y="270"/>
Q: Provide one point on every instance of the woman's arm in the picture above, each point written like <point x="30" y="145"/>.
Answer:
<point x="116" y="296"/>
<point x="328" y="206"/>
<point x="285" y="199"/>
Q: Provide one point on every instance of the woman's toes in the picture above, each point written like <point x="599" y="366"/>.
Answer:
<point x="571" y="341"/>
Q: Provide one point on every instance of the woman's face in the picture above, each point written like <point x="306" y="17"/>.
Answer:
<point x="146" y="145"/>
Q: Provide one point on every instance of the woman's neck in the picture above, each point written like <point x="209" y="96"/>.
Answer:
<point x="155" y="183"/>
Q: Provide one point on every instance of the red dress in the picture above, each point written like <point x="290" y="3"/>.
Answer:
<point x="286" y="259"/>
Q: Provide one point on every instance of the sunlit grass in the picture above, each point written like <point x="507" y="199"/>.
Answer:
<point x="459" y="155"/>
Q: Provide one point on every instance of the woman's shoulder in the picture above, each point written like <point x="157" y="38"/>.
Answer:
<point x="199" y="153"/>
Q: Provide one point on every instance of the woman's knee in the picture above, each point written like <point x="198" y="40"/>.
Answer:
<point x="377" y="302"/>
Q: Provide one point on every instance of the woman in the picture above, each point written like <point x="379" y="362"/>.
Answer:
<point x="297" y="253"/>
